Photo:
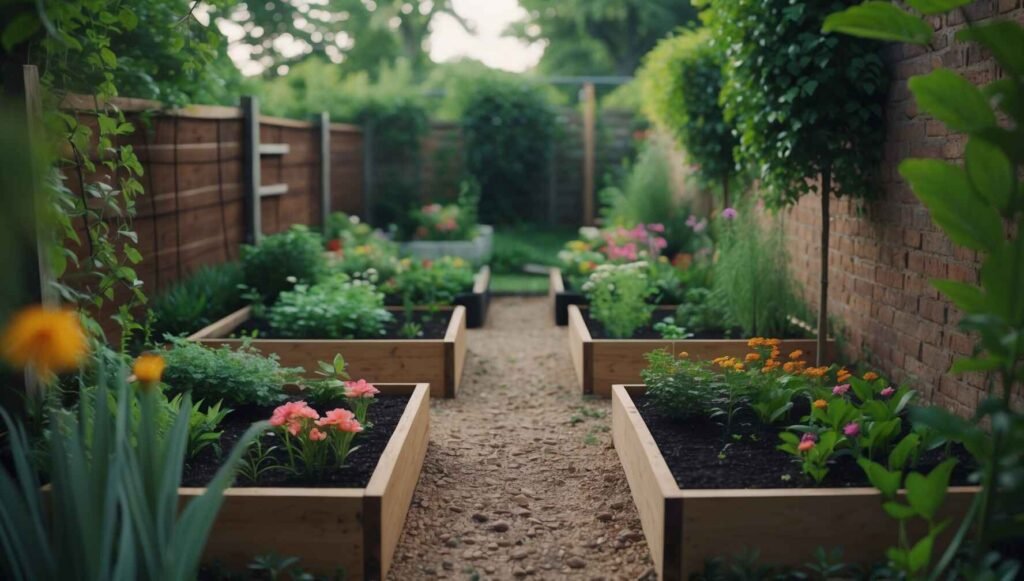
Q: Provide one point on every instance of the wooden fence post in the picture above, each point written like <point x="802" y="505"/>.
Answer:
<point x="368" y="169"/>
<point x="324" y="125"/>
<point x="589" y="130"/>
<point x="251" y="179"/>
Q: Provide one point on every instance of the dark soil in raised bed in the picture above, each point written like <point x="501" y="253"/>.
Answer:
<point x="435" y="325"/>
<point x="384" y="415"/>
<point x="701" y="456"/>
<point x="597" y="330"/>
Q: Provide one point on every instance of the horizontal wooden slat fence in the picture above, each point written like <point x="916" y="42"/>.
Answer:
<point x="193" y="211"/>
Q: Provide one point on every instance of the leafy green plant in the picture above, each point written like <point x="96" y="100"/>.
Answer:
<point x="678" y="387"/>
<point x="431" y="282"/>
<point x="813" y="451"/>
<point x="202" y="425"/>
<point x="700" y="313"/>
<point x="618" y="296"/>
<point x="978" y="205"/>
<point x="201" y="299"/>
<point x="237" y="377"/>
<point x="337" y="308"/>
<point x="804" y="104"/>
<point x="111" y="510"/>
<point x="681" y="80"/>
<point x="752" y="285"/>
<point x="508" y="131"/>
<point x="668" y="329"/>
<point x="257" y="462"/>
<point x="283" y="260"/>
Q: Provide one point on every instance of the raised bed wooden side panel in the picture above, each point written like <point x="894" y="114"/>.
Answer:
<point x="351" y="530"/>
<point x="602" y="363"/>
<point x="435" y="361"/>
<point x="684" y="528"/>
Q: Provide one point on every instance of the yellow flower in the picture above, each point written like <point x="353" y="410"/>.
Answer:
<point x="45" y="339"/>
<point x="796" y="354"/>
<point x="870" y="376"/>
<point x="820" y="404"/>
<point x="458" y="262"/>
<point x="149" y="369"/>
<point x="683" y="355"/>
<point x="579" y="246"/>
<point x="753" y="357"/>
<point x="738" y="367"/>
<point x="364" y="249"/>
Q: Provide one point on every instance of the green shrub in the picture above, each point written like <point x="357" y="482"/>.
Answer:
<point x="618" y="295"/>
<point x="204" y="297"/>
<point x="283" y="260"/>
<point x="681" y="80"/>
<point x="234" y="377"/>
<point x="337" y="308"/>
<point x="508" y="129"/>
<point x="752" y="285"/>
<point x="699" y="313"/>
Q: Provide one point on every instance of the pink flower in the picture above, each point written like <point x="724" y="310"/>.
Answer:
<point x="432" y="208"/>
<point x="656" y="227"/>
<point x="447" y="225"/>
<point x="360" y="389"/>
<point x="316" y="435"/>
<point x="730" y="213"/>
<point x="342" y="419"/>
<point x="805" y="444"/>
<point x="292" y="415"/>
<point x="626" y="251"/>
<point x="887" y="392"/>
<point x="841" y="390"/>
<point x="851" y="430"/>
<point x="809" y="437"/>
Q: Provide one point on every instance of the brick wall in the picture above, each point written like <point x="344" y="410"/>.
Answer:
<point x="883" y="252"/>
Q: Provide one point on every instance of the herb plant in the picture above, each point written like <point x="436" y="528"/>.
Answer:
<point x="431" y="282"/>
<point x="619" y="297"/>
<point x="283" y="260"/>
<point x="236" y="377"/>
<point x="202" y="424"/>
<point x="678" y="387"/>
<point x="337" y="308"/>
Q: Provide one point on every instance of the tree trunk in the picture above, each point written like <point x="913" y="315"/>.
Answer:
<point x="725" y="191"/>
<point x="826" y="190"/>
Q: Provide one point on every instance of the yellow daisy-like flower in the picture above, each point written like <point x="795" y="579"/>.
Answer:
<point x="44" y="339"/>
<point x="820" y="404"/>
<point x="148" y="369"/>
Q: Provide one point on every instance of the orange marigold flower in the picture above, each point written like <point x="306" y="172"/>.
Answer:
<point x="753" y="357"/>
<point x="683" y="355"/>
<point x="776" y="353"/>
<point x="48" y="340"/>
<point x="870" y="376"/>
<point x="789" y="367"/>
<point x="772" y="342"/>
<point x="738" y="367"/>
<point x="796" y="354"/>
<point x="820" y="404"/>
<point x="756" y="342"/>
<point x="149" y="368"/>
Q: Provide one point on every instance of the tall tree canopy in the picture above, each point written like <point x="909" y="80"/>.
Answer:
<point x="599" y="36"/>
<point x="357" y="34"/>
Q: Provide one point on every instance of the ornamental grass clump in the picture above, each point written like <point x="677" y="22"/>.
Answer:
<point x="337" y="308"/>
<point x="619" y="297"/>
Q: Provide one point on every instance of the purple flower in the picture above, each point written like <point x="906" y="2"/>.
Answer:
<point x="841" y="390"/>
<point x="851" y="430"/>
<point x="729" y="213"/>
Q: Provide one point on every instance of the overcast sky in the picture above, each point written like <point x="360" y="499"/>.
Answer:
<point x="489" y="19"/>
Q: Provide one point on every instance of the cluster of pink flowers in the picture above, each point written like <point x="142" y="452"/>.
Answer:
<point x="297" y="416"/>
<point x="360" y="388"/>
<point x="625" y="243"/>
<point x="697" y="225"/>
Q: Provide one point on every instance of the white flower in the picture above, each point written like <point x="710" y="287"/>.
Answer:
<point x="589" y="232"/>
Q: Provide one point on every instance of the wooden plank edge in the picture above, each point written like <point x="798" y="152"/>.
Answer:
<point x="224" y="326"/>
<point x="482" y="280"/>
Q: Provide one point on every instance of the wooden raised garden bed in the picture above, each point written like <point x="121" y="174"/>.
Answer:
<point x="786" y="525"/>
<point x="438" y="362"/>
<point x="562" y="298"/>
<point x="602" y="363"/>
<point x="354" y="530"/>
<point x="478" y="300"/>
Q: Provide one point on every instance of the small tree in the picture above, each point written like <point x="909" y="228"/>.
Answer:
<point x="680" y="82"/>
<point x="804" y="104"/>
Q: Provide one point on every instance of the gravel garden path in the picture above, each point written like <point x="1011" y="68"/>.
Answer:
<point x="520" y="479"/>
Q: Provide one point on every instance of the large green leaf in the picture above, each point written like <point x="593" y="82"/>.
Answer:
<point x="887" y="482"/>
<point x="927" y="493"/>
<point x="936" y="6"/>
<point x="880" y="21"/>
<point x="991" y="173"/>
<point x="953" y="100"/>
<point x="1005" y="39"/>
<point x="966" y="297"/>
<point x="946" y="192"/>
